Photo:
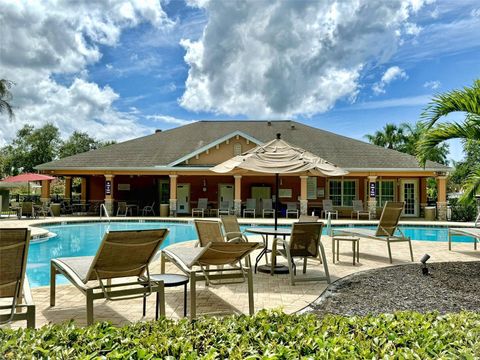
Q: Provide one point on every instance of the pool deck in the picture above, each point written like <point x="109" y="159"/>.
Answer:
<point x="271" y="292"/>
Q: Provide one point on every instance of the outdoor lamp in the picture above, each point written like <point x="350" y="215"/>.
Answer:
<point x="424" y="260"/>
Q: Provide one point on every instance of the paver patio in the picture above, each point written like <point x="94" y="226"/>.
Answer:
<point x="271" y="292"/>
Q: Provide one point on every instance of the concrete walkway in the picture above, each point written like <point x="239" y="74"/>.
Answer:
<point x="271" y="292"/>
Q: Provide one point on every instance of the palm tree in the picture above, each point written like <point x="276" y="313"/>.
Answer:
<point x="413" y="134"/>
<point x="5" y="97"/>
<point x="466" y="100"/>
<point x="390" y="136"/>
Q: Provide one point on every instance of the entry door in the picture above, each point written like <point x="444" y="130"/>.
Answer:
<point x="226" y="192"/>
<point x="183" y="198"/>
<point x="409" y="194"/>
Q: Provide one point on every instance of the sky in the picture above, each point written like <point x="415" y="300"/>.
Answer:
<point x="121" y="69"/>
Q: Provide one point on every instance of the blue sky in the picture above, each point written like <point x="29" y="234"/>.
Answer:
<point x="342" y="67"/>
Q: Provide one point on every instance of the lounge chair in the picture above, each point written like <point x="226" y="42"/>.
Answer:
<point x="387" y="226"/>
<point x="473" y="232"/>
<point x="304" y="243"/>
<point x="292" y="209"/>
<point x="359" y="210"/>
<point x="267" y="208"/>
<point x="224" y="257"/>
<point x="225" y="208"/>
<point x="201" y="207"/>
<point x="211" y="231"/>
<point x="308" y="218"/>
<point x="328" y="208"/>
<point x="14" y="244"/>
<point x="121" y="254"/>
<point x="232" y="228"/>
<point x="148" y="209"/>
<point x="250" y="208"/>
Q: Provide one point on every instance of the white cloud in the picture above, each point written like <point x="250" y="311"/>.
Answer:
<point x="434" y="84"/>
<point x="420" y="100"/>
<point x="49" y="40"/>
<point x="391" y="74"/>
<point x="169" y="119"/>
<point x="412" y="29"/>
<point x="284" y="58"/>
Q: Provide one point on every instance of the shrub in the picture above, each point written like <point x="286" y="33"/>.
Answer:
<point x="461" y="212"/>
<point x="268" y="335"/>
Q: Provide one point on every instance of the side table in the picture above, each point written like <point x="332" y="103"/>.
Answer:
<point x="355" y="246"/>
<point x="169" y="280"/>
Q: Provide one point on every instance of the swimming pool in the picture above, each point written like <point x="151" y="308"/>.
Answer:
<point x="82" y="239"/>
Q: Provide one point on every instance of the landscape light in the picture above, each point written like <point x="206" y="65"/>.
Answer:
<point x="424" y="260"/>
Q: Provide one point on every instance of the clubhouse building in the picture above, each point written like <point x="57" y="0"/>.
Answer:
<point x="172" y="169"/>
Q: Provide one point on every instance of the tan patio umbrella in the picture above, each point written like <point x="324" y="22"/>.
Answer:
<point x="279" y="157"/>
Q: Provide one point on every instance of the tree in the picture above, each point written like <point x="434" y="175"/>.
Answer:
<point x="466" y="100"/>
<point x="412" y="136"/>
<point x="80" y="142"/>
<point x="30" y="148"/>
<point x="5" y="97"/>
<point x="390" y="137"/>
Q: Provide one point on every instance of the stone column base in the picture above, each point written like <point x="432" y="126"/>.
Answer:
<point x="109" y="206"/>
<point x="173" y="207"/>
<point x="237" y="207"/>
<point x="303" y="207"/>
<point x="372" y="208"/>
<point x="442" y="211"/>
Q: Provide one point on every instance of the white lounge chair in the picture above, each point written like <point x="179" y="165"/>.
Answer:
<point x="473" y="232"/>
<point x="267" y="208"/>
<point x="201" y="208"/>
<point x="328" y="208"/>
<point x="387" y="226"/>
<point x="250" y="208"/>
<point x="359" y="210"/>
<point x="225" y="208"/>
<point x="148" y="209"/>
<point x="292" y="209"/>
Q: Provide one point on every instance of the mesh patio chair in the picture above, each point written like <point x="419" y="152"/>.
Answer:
<point x="27" y="209"/>
<point x="201" y="208"/>
<point x="473" y="232"/>
<point x="292" y="209"/>
<point x="359" y="210"/>
<point x="148" y="209"/>
<point x="386" y="228"/>
<point x="121" y="255"/>
<point x="217" y="263"/>
<point x="267" y="208"/>
<point x="122" y="208"/>
<point x="328" y="208"/>
<point x="14" y="243"/>
<point x="303" y="243"/>
<point x="250" y="208"/>
<point x="225" y="208"/>
<point x="232" y="228"/>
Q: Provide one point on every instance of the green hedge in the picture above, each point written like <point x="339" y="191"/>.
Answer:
<point x="267" y="335"/>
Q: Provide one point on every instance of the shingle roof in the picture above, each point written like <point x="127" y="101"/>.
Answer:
<point x="163" y="148"/>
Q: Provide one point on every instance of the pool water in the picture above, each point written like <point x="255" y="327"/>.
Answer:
<point x="84" y="239"/>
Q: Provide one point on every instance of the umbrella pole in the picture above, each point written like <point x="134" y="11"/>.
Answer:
<point x="277" y="182"/>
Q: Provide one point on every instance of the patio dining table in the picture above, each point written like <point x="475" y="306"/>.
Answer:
<point x="265" y="232"/>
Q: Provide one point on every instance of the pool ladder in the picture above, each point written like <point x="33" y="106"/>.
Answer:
<point x="104" y="210"/>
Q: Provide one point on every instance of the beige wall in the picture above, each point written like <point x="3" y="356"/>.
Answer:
<point x="224" y="152"/>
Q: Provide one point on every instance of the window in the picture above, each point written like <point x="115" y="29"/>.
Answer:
<point x="237" y="149"/>
<point x="385" y="191"/>
<point x="342" y="192"/>
<point x="311" y="188"/>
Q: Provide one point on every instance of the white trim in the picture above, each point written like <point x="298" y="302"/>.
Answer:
<point x="214" y="144"/>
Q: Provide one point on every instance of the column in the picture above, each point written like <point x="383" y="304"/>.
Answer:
<point x="441" y="197"/>
<point x="303" y="195"/>
<point x="83" y="195"/>
<point x="68" y="189"/>
<point x="109" y="186"/>
<point x="372" y="199"/>
<point x="423" y="194"/>
<point x="238" y="195"/>
<point x="45" y="196"/>
<point x="173" y="195"/>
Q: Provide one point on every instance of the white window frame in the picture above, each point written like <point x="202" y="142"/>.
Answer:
<point x="379" y="186"/>
<point x="342" y="180"/>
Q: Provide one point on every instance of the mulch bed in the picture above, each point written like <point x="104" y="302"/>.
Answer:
<point x="450" y="287"/>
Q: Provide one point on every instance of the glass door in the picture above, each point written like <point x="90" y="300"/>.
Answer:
<point x="409" y="195"/>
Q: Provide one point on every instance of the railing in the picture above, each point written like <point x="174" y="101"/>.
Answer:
<point x="104" y="210"/>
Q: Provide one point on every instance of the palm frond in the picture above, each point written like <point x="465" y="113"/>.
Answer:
<point x="434" y="136"/>
<point x="471" y="187"/>
<point x="465" y="100"/>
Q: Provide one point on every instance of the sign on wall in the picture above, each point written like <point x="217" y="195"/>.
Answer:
<point x="373" y="189"/>
<point x="108" y="187"/>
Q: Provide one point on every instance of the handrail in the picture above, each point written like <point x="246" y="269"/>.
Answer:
<point x="105" y="211"/>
